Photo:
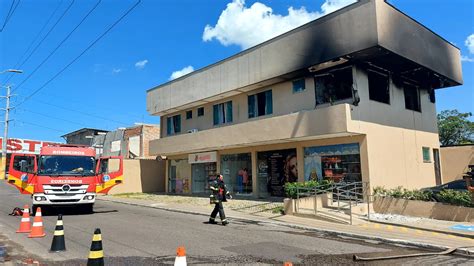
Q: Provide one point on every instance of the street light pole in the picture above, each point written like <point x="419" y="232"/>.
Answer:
<point x="5" y="130"/>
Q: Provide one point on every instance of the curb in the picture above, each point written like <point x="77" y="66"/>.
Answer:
<point x="424" y="229"/>
<point x="339" y="234"/>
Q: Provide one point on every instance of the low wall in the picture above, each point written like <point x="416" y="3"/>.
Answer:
<point x="290" y="206"/>
<point x="141" y="176"/>
<point x="425" y="209"/>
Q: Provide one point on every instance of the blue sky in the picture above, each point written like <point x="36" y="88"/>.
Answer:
<point x="106" y="87"/>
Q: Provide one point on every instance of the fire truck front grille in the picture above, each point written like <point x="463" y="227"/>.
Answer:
<point x="62" y="189"/>
<point x="65" y="200"/>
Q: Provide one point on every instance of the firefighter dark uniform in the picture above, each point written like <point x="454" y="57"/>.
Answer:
<point x="219" y="195"/>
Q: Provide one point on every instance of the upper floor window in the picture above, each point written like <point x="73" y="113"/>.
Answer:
<point x="189" y="114"/>
<point x="173" y="125"/>
<point x="333" y="86"/>
<point x="426" y="154"/>
<point x="200" y="111"/>
<point x="379" y="89"/>
<point x="412" y="97"/>
<point x="222" y="113"/>
<point x="298" y="85"/>
<point x="260" y="104"/>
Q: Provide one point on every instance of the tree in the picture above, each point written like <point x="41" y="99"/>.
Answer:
<point x="455" y="128"/>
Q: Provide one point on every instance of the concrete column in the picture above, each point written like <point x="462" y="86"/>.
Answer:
<point x="253" y="155"/>
<point x="300" y="160"/>
<point x="166" y="175"/>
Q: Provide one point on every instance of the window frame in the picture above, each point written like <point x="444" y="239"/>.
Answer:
<point x="331" y="72"/>
<point x="189" y="114"/>
<point x="170" y="120"/>
<point x="428" y="152"/>
<point x="374" y="72"/>
<point x="228" y="117"/>
<point x="198" y="111"/>
<point x="407" y="87"/>
<point x="303" y="88"/>
<point x="268" y="95"/>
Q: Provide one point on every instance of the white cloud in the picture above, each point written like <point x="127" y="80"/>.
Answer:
<point x="116" y="70"/>
<point x="182" y="72"/>
<point x="470" y="43"/>
<point x="466" y="59"/>
<point x="248" y="26"/>
<point x="141" y="64"/>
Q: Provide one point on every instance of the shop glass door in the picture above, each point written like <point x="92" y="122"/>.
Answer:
<point x="202" y="172"/>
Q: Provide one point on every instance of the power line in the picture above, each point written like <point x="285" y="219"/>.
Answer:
<point x="59" y="45"/>
<point x="58" y="97"/>
<point x="35" y="39"/>
<point x="83" y="113"/>
<point x="10" y="14"/>
<point x="53" y="117"/>
<point x="44" y="38"/>
<point x="82" y="53"/>
<point x="38" y="125"/>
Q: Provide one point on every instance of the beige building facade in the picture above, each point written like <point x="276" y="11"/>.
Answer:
<point x="352" y="109"/>
<point x="455" y="161"/>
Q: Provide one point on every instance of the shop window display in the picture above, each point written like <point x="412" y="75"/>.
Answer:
<point x="336" y="162"/>
<point x="179" y="174"/>
<point x="237" y="172"/>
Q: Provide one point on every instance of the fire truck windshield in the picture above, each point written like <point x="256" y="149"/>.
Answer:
<point x="53" y="165"/>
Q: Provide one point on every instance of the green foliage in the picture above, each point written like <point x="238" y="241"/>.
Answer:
<point x="403" y="193"/>
<point x="455" y="128"/>
<point x="449" y="196"/>
<point x="291" y="188"/>
<point x="279" y="210"/>
<point x="460" y="198"/>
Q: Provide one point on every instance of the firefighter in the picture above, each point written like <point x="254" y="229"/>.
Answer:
<point x="219" y="195"/>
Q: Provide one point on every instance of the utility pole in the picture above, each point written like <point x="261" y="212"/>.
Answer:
<point x="5" y="131"/>
<point x="3" y="164"/>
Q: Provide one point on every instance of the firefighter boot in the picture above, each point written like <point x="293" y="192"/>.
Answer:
<point x="212" y="221"/>
<point x="225" y="222"/>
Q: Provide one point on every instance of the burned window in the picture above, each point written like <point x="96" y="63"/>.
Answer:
<point x="412" y="97"/>
<point x="333" y="86"/>
<point x="379" y="89"/>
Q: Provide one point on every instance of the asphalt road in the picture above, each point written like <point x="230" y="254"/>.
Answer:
<point x="144" y="236"/>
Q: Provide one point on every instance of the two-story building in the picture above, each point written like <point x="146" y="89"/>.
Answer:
<point x="347" y="97"/>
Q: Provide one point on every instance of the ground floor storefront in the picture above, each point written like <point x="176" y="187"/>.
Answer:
<point x="263" y="170"/>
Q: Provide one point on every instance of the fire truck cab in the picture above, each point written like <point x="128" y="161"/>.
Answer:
<point x="65" y="175"/>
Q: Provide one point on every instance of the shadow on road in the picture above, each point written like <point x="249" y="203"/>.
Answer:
<point x="73" y="210"/>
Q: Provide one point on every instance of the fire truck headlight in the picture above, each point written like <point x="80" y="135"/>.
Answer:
<point x="40" y="198"/>
<point x="89" y="197"/>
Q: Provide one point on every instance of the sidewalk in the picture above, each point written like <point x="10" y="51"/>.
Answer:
<point x="264" y="212"/>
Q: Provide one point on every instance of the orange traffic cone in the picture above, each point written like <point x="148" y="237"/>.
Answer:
<point x="25" y="226"/>
<point x="180" y="257"/>
<point x="37" y="229"/>
<point x="288" y="264"/>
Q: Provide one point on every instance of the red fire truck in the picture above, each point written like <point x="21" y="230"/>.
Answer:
<point x="65" y="175"/>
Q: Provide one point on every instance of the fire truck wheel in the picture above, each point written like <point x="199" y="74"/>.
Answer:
<point x="88" y="208"/>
